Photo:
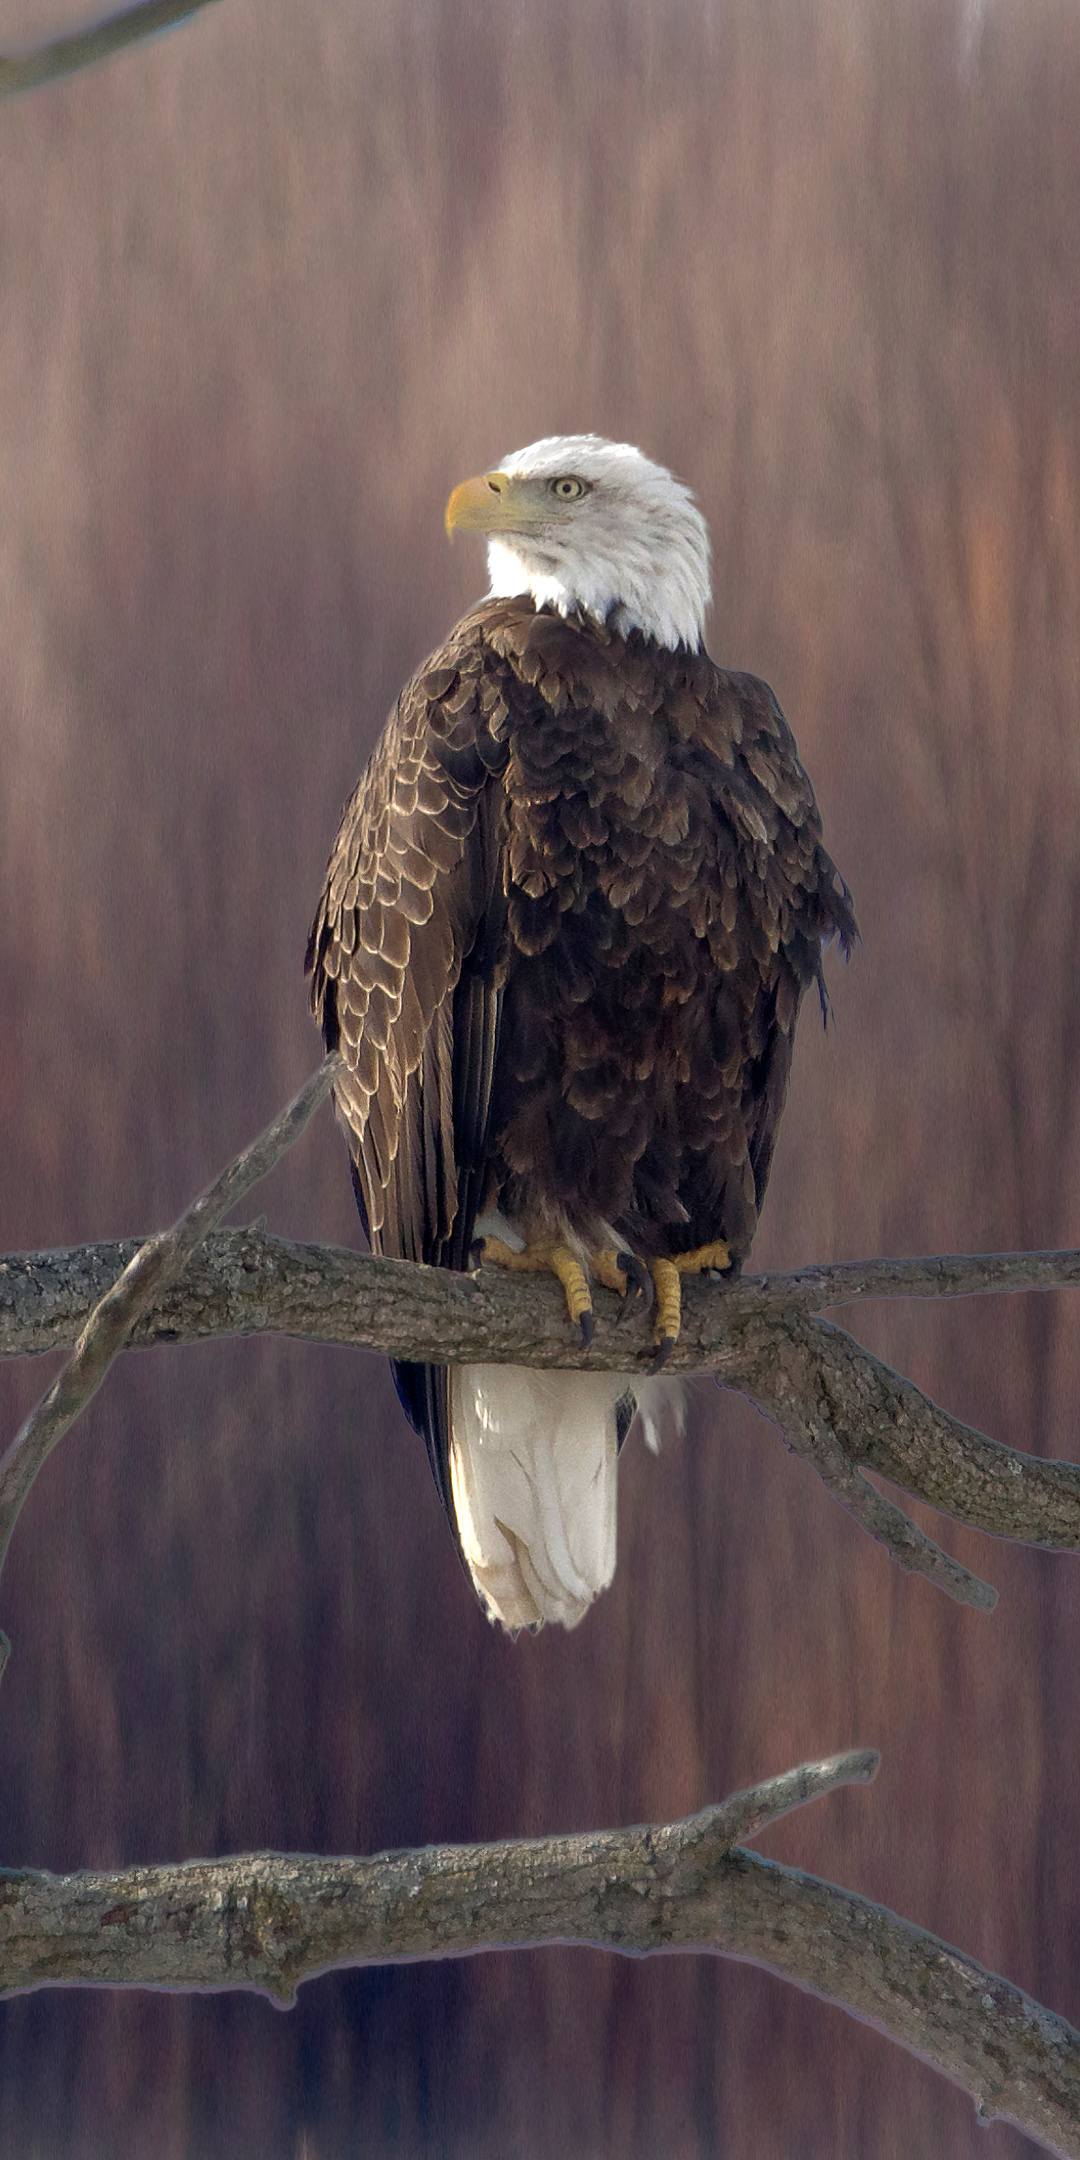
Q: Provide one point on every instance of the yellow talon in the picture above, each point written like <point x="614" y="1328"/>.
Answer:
<point x="548" y="1258"/>
<point x="495" y="1249"/>
<point x="667" y="1275"/>
<point x="715" y="1255"/>
<point x="571" y="1274"/>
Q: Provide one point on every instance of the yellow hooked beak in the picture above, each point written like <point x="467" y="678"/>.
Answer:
<point x="493" y="502"/>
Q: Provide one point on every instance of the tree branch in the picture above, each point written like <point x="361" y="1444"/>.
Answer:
<point x="66" y="55"/>
<point x="268" y="1921"/>
<point x="834" y="1401"/>
<point x="153" y="1266"/>
<point x="253" y="1281"/>
<point x="846" y="1282"/>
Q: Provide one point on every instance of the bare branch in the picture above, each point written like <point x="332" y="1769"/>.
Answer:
<point x="66" y="55"/>
<point x="746" y="1814"/>
<point x="817" y="1385"/>
<point x="250" y="1281"/>
<point x="898" y="1431"/>
<point x="835" y="1402"/>
<point x="268" y="1922"/>
<point x="155" y="1265"/>
<point x="846" y="1282"/>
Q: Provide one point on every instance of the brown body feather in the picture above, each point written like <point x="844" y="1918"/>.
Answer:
<point x="568" y="920"/>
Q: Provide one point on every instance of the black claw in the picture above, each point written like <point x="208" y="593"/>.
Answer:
<point x="664" y="1348"/>
<point x="587" y="1324"/>
<point x="638" y="1280"/>
<point x="476" y="1253"/>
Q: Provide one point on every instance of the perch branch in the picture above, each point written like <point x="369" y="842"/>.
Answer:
<point x="81" y="48"/>
<point x="153" y="1266"/>
<point x="252" y="1282"/>
<point x="834" y="1400"/>
<point x="269" y="1921"/>
<point x="847" y="1282"/>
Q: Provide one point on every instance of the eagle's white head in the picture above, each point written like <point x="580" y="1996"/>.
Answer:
<point x="583" y="523"/>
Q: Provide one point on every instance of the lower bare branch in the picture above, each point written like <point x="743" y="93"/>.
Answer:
<point x="268" y="1921"/>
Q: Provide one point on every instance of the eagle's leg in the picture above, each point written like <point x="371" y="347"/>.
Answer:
<point x="547" y="1257"/>
<point x="667" y="1275"/>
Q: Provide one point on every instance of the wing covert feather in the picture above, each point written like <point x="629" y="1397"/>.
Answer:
<point x="410" y="881"/>
<point x="784" y="900"/>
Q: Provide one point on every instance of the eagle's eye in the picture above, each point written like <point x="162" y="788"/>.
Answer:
<point x="567" y="488"/>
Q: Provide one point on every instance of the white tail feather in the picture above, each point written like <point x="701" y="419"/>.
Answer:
<point x="660" y="1403"/>
<point x="533" y="1463"/>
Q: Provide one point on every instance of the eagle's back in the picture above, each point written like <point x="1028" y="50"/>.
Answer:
<point x="668" y="895"/>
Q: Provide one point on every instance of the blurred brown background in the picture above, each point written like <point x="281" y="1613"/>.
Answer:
<point x="268" y="286"/>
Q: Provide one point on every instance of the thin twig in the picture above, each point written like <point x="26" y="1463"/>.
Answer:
<point x="81" y="48"/>
<point x="269" y="1921"/>
<point x="818" y="1399"/>
<point x="155" y="1265"/>
<point x="746" y="1814"/>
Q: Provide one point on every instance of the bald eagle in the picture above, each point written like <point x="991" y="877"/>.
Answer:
<point x="567" y="922"/>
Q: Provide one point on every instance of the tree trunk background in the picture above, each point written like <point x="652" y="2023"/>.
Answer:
<point x="271" y="285"/>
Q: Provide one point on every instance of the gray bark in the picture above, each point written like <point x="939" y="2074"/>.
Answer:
<point x="269" y="1921"/>
<point x="835" y="1402"/>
